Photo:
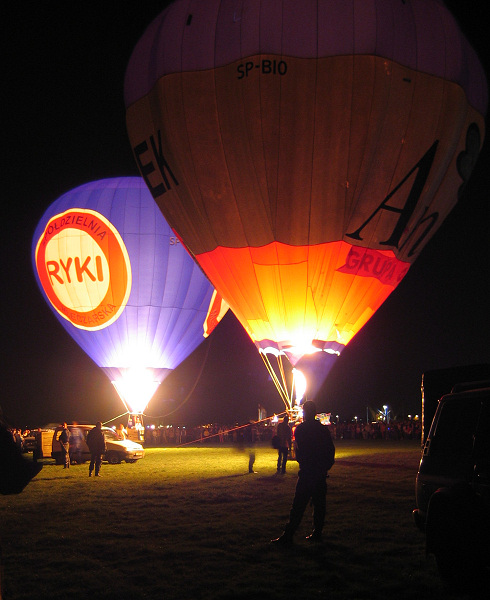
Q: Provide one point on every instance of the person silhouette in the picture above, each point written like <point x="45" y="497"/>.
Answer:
<point x="315" y="453"/>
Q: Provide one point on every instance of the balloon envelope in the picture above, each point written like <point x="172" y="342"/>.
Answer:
<point x="122" y="285"/>
<point x="305" y="152"/>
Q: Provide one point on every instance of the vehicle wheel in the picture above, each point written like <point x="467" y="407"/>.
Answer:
<point x="113" y="458"/>
<point x="464" y="574"/>
<point x="452" y="536"/>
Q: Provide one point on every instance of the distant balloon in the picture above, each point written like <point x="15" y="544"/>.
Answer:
<point x="305" y="152"/>
<point x="122" y="284"/>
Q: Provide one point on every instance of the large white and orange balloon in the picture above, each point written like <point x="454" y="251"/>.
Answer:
<point x="305" y="151"/>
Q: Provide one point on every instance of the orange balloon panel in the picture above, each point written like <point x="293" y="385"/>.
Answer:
<point x="304" y="295"/>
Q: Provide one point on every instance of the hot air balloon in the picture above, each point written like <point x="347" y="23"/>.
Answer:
<point x="305" y="152"/>
<point x="122" y="285"/>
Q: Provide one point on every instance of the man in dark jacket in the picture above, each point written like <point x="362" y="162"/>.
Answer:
<point x="15" y="471"/>
<point x="284" y="443"/>
<point x="64" y="440"/>
<point x="315" y="454"/>
<point x="96" y="445"/>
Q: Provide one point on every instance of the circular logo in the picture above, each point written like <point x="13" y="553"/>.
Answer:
<point x="84" y="268"/>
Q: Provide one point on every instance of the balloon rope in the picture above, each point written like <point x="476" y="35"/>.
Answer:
<point x="188" y="395"/>
<point x="283" y="376"/>
<point x="231" y="430"/>
<point x="274" y="377"/>
<point x="280" y="388"/>
<point x="195" y="383"/>
<point x="118" y="417"/>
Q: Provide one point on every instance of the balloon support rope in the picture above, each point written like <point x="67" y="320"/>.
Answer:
<point x="185" y="399"/>
<point x="115" y="418"/>
<point x="281" y="387"/>
<point x="195" y="383"/>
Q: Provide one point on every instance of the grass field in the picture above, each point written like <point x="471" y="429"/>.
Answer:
<point x="191" y="523"/>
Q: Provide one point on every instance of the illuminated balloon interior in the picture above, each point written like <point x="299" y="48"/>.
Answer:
<point x="136" y="388"/>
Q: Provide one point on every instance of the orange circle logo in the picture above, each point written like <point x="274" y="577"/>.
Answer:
<point x="84" y="268"/>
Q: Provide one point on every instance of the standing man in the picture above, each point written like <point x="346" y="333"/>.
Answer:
<point x="122" y="434"/>
<point x="96" y="445"/>
<point x="315" y="453"/>
<point x="64" y="441"/>
<point x="250" y="435"/>
<point x="284" y="434"/>
<point x="76" y="441"/>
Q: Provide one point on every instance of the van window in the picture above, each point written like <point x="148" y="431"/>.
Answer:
<point x="453" y="438"/>
<point x="482" y="442"/>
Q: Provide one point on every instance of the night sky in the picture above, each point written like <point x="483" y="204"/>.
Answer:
<point x="63" y="94"/>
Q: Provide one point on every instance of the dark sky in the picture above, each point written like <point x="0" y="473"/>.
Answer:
<point x="64" y="111"/>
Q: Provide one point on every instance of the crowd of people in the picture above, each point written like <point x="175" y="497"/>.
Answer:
<point x="21" y="437"/>
<point x="215" y="433"/>
<point x="406" y="429"/>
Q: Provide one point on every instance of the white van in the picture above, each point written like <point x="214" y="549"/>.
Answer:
<point x="117" y="450"/>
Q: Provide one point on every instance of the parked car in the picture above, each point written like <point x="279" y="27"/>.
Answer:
<point x="117" y="449"/>
<point x="453" y="488"/>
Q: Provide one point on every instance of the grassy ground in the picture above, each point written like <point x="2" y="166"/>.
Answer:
<point x="191" y="523"/>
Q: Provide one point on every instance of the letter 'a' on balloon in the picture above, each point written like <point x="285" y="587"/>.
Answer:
<point x="305" y="152"/>
<point x="122" y="285"/>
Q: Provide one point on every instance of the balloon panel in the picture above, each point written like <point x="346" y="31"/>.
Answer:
<point x="318" y="169"/>
<point x="198" y="35"/>
<point x="305" y="152"/>
<point x="119" y="280"/>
